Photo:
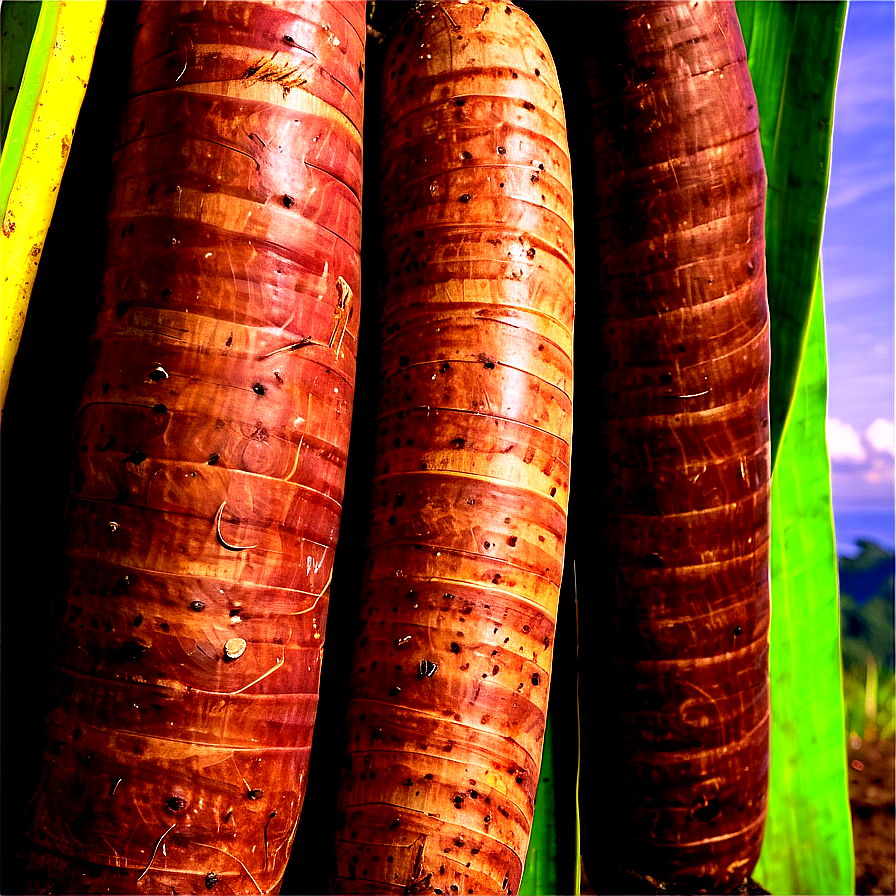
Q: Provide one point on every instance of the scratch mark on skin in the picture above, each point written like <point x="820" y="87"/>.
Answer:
<point x="167" y="335"/>
<point x="271" y="817"/>
<point x="271" y="671"/>
<point x="317" y="598"/>
<point x="340" y="83"/>
<point x="420" y="879"/>
<point x="277" y="665"/>
<point x="674" y="174"/>
<point x="341" y="313"/>
<point x="155" y="849"/>
<point x="126" y="849"/>
<point x="312" y="566"/>
<point x="226" y="544"/>
<point x="454" y="24"/>
<point x="242" y="152"/>
<point x="690" y="395"/>
<point x="72" y="837"/>
<point x="245" y="782"/>
<point x="474" y="539"/>
<point x="291" y="43"/>
<point x="292" y="347"/>
<point x="350" y="187"/>
<point x="186" y="46"/>
<point x="199" y="648"/>
<point x="713" y="703"/>
<point x="295" y="465"/>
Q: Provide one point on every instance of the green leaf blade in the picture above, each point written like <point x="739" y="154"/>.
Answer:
<point x="808" y="838"/>
<point x="18" y="19"/>
<point x="540" y="874"/>
<point x="793" y="50"/>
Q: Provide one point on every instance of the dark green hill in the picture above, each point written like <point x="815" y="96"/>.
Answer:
<point x="868" y="574"/>
<point x="866" y="605"/>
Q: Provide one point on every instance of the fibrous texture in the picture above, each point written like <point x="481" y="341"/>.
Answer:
<point x="680" y="596"/>
<point x="209" y="456"/>
<point x="467" y="526"/>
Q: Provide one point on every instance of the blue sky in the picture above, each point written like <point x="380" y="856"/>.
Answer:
<point x="858" y="264"/>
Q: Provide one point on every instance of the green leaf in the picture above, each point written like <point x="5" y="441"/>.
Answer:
<point x="554" y="861"/>
<point x="540" y="873"/>
<point x="808" y="838"/>
<point x="793" y="51"/>
<point x="18" y="19"/>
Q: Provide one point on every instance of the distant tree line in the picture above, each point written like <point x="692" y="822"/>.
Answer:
<point x="866" y="606"/>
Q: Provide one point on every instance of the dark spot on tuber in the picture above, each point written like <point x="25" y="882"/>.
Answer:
<point x="706" y="810"/>
<point x="129" y="652"/>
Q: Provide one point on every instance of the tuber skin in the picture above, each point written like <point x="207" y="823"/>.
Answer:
<point x="466" y="538"/>
<point x="209" y="455"/>
<point x="678" y="592"/>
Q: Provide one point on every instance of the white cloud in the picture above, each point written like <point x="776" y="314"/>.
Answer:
<point x="879" y="436"/>
<point x="862" y="467"/>
<point x="844" y="443"/>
